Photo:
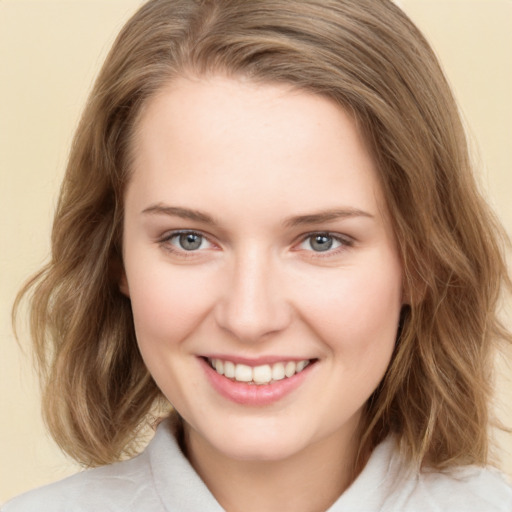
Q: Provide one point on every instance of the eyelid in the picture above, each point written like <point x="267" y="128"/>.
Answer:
<point x="344" y="240"/>
<point x="165" y="241"/>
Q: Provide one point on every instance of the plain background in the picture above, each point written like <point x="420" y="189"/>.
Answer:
<point x="50" y="52"/>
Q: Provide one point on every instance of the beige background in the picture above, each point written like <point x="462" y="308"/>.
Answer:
<point x="50" y="51"/>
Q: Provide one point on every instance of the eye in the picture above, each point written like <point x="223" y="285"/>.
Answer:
<point x="188" y="241"/>
<point x="323" y="242"/>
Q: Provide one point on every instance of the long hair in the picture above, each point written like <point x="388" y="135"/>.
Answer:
<point x="369" y="58"/>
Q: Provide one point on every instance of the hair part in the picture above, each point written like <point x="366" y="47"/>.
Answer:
<point x="369" y="58"/>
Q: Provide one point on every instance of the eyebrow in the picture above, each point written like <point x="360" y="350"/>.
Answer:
<point x="299" y="220"/>
<point x="326" y="216"/>
<point x="184" y="213"/>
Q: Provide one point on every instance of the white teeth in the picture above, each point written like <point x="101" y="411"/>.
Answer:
<point x="278" y="371"/>
<point x="262" y="374"/>
<point x="219" y="366"/>
<point x="229" y="369"/>
<point x="243" y="373"/>
<point x="300" y="365"/>
<point x="290" y="368"/>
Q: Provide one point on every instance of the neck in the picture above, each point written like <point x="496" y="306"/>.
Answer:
<point x="308" y="481"/>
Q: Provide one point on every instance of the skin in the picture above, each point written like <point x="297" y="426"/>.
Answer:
<point x="251" y="157"/>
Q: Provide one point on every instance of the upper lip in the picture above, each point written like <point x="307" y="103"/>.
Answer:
<point x="256" y="361"/>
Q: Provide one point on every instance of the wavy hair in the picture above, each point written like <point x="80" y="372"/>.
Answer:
<point x="369" y="58"/>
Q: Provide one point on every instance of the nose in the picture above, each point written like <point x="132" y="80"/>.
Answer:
<point x="253" y="303"/>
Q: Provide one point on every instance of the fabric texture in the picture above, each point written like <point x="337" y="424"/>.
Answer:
<point x="162" y="480"/>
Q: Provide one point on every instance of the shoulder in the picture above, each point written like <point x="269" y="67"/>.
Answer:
<point x="386" y="485"/>
<point x="460" y="489"/>
<point x="124" y="486"/>
<point x="469" y="489"/>
<point x="463" y="489"/>
<point x="160" y="474"/>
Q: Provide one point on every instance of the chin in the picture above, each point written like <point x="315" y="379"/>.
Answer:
<point x="261" y="449"/>
<point x="255" y="440"/>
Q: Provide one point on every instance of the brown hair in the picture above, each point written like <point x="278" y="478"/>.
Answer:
<point x="368" y="57"/>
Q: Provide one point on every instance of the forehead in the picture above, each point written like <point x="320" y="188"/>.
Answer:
<point x="223" y="136"/>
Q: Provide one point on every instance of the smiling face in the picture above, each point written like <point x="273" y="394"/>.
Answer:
<point x="257" y="244"/>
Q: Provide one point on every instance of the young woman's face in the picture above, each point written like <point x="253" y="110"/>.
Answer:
<point x="257" y="241"/>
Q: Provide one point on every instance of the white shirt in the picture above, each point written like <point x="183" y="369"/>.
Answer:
<point x="162" y="480"/>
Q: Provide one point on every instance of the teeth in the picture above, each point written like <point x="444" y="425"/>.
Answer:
<point x="219" y="366"/>
<point x="243" y="373"/>
<point x="278" y="371"/>
<point x="263" y="374"/>
<point x="229" y="369"/>
<point x="300" y="365"/>
<point x="290" y="368"/>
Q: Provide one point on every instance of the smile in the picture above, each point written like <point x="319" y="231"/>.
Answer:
<point x="258" y="375"/>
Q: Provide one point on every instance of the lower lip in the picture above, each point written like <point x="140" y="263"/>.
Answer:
<point x="253" y="394"/>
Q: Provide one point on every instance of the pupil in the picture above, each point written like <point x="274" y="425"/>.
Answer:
<point x="321" y="243"/>
<point x="190" y="241"/>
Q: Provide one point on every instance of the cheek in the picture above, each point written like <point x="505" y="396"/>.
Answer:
<point x="357" y="310"/>
<point x="168" y="303"/>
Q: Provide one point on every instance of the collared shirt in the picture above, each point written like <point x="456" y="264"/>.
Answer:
<point x="161" y="479"/>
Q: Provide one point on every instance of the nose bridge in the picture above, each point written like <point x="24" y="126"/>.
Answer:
<point x="253" y="304"/>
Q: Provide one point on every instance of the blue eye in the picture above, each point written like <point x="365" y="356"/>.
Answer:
<point x="322" y="242"/>
<point x="189" y="241"/>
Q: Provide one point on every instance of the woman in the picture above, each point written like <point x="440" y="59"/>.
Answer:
<point x="270" y="222"/>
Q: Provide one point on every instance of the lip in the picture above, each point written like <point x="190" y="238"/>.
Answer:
<point x="252" y="394"/>
<point x="258" y="361"/>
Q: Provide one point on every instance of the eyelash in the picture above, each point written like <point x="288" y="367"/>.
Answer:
<point x="165" y="242"/>
<point x="344" y="241"/>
